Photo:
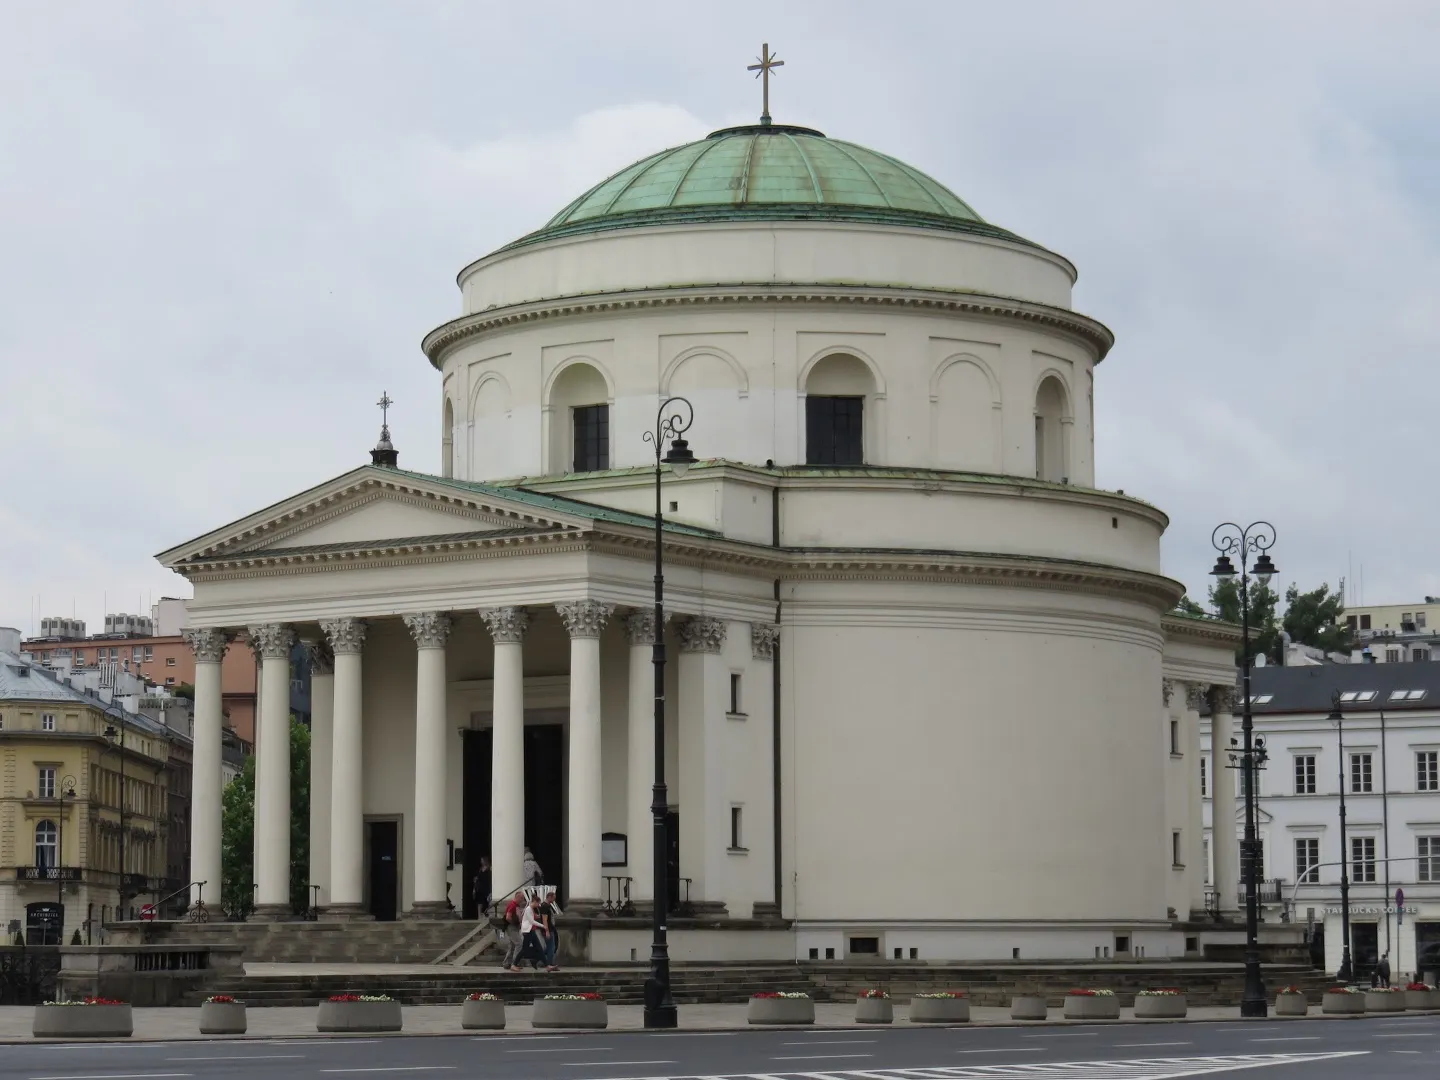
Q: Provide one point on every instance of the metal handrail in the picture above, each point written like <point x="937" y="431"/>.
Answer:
<point x="184" y="889"/>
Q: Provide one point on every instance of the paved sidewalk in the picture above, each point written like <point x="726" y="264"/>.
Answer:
<point x="177" y="1024"/>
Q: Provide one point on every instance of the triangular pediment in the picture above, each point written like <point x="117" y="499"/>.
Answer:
<point x="364" y="508"/>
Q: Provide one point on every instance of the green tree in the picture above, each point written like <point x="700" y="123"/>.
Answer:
<point x="1264" y="625"/>
<point x="1186" y="606"/>
<point x="1315" y="618"/>
<point x="237" y="844"/>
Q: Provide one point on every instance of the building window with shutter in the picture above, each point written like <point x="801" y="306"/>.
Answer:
<point x="834" y="430"/>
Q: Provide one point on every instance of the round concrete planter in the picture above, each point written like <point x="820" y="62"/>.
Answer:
<point x="1028" y="1007"/>
<point x="222" y="1018"/>
<point x="1291" y="1005"/>
<point x="1422" y="999"/>
<point x="1159" y="1007"/>
<point x="799" y="1010"/>
<point x="939" y="1010"/>
<point x="1385" y="1001"/>
<point x="556" y="1013"/>
<point x="1084" y="1007"/>
<point x="873" y="1011"/>
<point x="482" y="1015"/>
<point x="83" y="1022"/>
<point x="1342" y="1004"/>
<point x="358" y="1016"/>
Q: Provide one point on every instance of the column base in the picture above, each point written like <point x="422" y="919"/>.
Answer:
<point x="348" y="913"/>
<point x="272" y="913"/>
<point x="431" y="909"/>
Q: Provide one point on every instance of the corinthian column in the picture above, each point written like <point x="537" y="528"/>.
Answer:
<point x="704" y="811"/>
<point x="507" y="627"/>
<point x="430" y="630"/>
<point x="272" y="773"/>
<point x="322" y="713"/>
<point x="1195" y="820"/>
<point x="584" y="619"/>
<point x="1222" y="802"/>
<point x="347" y="813"/>
<point x="639" y="818"/>
<point x="206" y="784"/>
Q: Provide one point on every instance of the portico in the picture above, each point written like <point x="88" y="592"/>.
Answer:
<point x="397" y="692"/>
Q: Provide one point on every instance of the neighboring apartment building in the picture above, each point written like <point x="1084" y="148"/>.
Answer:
<point x="1396" y="633"/>
<point x="162" y="661"/>
<point x="84" y="798"/>
<point x="1390" y="764"/>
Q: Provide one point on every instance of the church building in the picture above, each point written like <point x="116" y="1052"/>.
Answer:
<point x="926" y="696"/>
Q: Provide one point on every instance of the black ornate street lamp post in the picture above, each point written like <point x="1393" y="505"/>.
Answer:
<point x="1258" y="538"/>
<point x="67" y="792"/>
<point x="116" y="734"/>
<point x="672" y="420"/>
<point x="1347" y="972"/>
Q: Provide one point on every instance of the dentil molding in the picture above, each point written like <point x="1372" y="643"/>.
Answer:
<point x="430" y="629"/>
<point x="507" y="625"/>
<point x="208" y="643"/>
<point x="345" y="635"/>
<point x="584" y="618"/>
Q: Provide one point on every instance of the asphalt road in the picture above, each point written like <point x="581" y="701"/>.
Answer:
<point x="1373" y="1049"/>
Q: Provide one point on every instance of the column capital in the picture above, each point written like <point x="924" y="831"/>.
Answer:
<point x="1195" y="695"/>
<point x="322" y="658"/>
<point x="272" y="641"/>
<point x="584" y="618"/>
<point x="763" y="639"/>
<point x="1167" y="689"/>
<point x="430" y="629"/>
<point x="345" y="635"/>
<point x="506" y="624"/>
<point x="207" y="642"/>
<point x="1222" y="698"/>
<point x="640" y="627"/>
<point x="702" y="634"/>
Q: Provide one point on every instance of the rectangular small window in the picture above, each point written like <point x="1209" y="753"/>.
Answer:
<point x="1361" y="774"/>
<point x="735" y="693"/>
<point x="1405" y="617"/>
<point x="1420" y="620"/>
<point x="1428" y="850"/>
<point x="1362" y="859"/>
<point x="1350" y="621"/>
<point x="1392" y="656"/>
<point x="47" y="783"/>
<point x="1304" y="774"/>
<point x="865" y="946"/>
<point x="592" y="437"/>
<point x="1307" y="859"/>
<point x="136" y="653"/>
<point x="1427" y="770"/>
<point x="834" y="430"/>
<point x="47" y="721"/>
<point x="1175" y="737"/>
<point x="1206" y="856"/>
<point x="169" y="661"/>
<point x="1364" y="622"/>
<point x="1204" y="777"/>
<point x="735" y="834"/>
<point x="149" y="653"/>
<point x="1175" y="853"/>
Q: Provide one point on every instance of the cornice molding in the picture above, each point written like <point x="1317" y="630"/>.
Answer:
<point x="1090" y="332"/>
<point x="1205" y="630"/>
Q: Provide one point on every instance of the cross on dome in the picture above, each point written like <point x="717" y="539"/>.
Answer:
<point x="384" y="452"/>
<point x="766" y="62"/>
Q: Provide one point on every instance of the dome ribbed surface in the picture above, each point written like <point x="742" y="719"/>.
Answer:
<point x="762" y="167"/>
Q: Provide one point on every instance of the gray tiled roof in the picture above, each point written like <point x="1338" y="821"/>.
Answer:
<point x="1312" y="689"/>
<point x="22" y="680"/>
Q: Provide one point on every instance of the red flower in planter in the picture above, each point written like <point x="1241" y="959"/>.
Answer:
<point x="102" y="1001"/>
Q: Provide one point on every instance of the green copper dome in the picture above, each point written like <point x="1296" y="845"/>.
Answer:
<point x="766" y="171"/>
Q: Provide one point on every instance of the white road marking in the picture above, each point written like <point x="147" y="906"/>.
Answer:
<point x="516" y="1038"/>
<point x="1128" y="1045"/>
<point x="241" y="1057"/>
<point x="1006" y="1050"/>
<point x="578" y="1049"/>
<point x="1290" y="1038"/>
<point x="818" y="1057"/>
<point x="112" y="1076"/>
<point x="592" y="1064"/>
<point x="1408" y="1035"/>
<point x="394" y="1068"/>
<point x="831" y="1042"/>
<point x="1065" y="1035"/>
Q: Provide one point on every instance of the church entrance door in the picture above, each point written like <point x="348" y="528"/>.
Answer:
<point x="382" y="845"/>
<point x="544" y="806"/>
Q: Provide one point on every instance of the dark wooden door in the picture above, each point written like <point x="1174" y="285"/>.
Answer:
<point x="384" y="869"/>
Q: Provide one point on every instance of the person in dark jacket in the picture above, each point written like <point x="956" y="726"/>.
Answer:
<point x="1384" y="970"/>
<point x="480" y="890"/>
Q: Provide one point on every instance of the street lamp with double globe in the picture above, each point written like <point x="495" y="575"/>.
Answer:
<point x="672" y="420"/>
<point x="1256" y="538"/>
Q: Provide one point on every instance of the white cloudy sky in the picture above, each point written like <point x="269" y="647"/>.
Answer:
<point x="224" y="228"/>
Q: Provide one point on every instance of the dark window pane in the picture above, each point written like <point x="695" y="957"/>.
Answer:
<point x="834" y="430"/>
<point x="592" y="437"/>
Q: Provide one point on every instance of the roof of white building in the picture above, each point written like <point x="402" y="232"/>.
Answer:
<point x="1360" y="687"/>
